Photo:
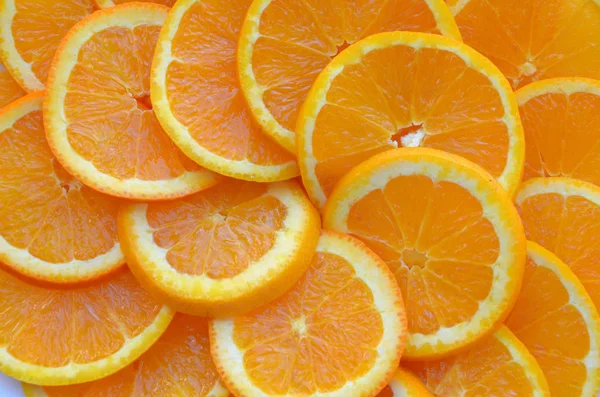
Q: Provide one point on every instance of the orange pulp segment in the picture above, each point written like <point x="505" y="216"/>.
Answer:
<point x="11" y="90"/>
<point x="405" y="384"/>
<point x="112" y="3"/>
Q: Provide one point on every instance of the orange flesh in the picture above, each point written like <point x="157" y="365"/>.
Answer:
<point x="570" y="228"/>
<point x="10" y="89"/>
<point x="45" y="210"/>
<point x="81" y="324"/>
<point x="543" y="39"/>
<point x="39" y="26"/>
<point x="561" y="132"/>
<point x="553" y="330"/>
<point x="299" y="38"/>
<point x="321" y="334"/>
<point x="396" y="91"/>
<point x="436" y="242"/>
<point x="223" y="229"/>
<point x="168" y="3"/>
<point x="180" y="360"/>
<point x="116" y="129"/>
<point x="203" y="88"/>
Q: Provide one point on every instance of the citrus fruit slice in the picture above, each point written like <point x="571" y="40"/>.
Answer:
<point x="563" y="216"/>
<point x="284" y="45"/>
<point x="448" y="232"/>
<point x="52" y="227"/>
<point x="223" y="251"/>
<point x="338" y="332"/>
<point x="406" y="89"/>
<point x="112" y="3"/>
<point x="97" y="112"/>
<point x="94" y="330"/>
<point x="561" y="120"/>
<point x="178" y="364"/>
<point x="30" y="32"/>
<point x="403" y="384"/>
<point x="499" y="365"/>
<point x="528" y="42"/>
<point x="11" y="90"/>
<point x="556" y="319"/>
<point x="197" y="94"/>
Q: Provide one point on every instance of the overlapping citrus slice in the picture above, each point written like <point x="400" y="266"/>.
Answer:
<point x="338" y="332"/>
<point x="403" y="384"/>
<point x="61" y="336"/>
<point x="112" y="3"/>
<point x="448" y="232"/>
<point x="178" y="364"/>
<point x="499" y="365"/>
<point x="563" y="216"/>
<point x="197" y="94"/>
<point x="98" y="114"/>
<point x="535" y="40"/>
<point x="11" y="90"/>
<point x="406" y="89"/>
<point x="557" y="321"/>
<point x="51" y="226"/>
<point x="30" y="32"/>
<point x="561" y="120"/>
<point x="285" y="44"/>
<point x="223" y="251"/>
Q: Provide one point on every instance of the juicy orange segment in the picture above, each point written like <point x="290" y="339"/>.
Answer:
<point x="112" y="3"/>
<point x="448" y="232"/>
<point x="196" y="91"/>
<point x="339" y="331"/>
<point x="179" y="363"/>
<point x="556" y="319"/>
<point x="98" y="115"/>
<point x="51" y="226"/>
<point x="224" y="251"/>
<point x="561" y="120"/>
<point x="499" y="365"/>
<point x="533" y="41"/>
<point x="11" y="90"/>
<point x="285" y="44"/>
<point x="405" y="384"/>
<point x="406" y="89"/>
<point x="30" y="32"/>
<point x="94" y="330"/>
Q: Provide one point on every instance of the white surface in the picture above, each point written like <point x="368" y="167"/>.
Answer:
<point x="10" y="387"/>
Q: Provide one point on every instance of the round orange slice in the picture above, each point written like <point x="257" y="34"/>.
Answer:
<point x="98" y="115"/>
<point x="338" y="332"/>
<point x="11" y="90"/>
<point x="60" y="336"/>
<point x="533" y="41"/>
<point x="448" y="232"/>
<point x="403" y="384"/>
<point x="223" y="251"/>
<point x="52" y="227"/>
<point x="563" y="216"/>
<point x="197" y="94"/>
<point x="284" y="45"/>
<point x="112" y="3"/>
<point x="556" y="319"/>
<point x="561" y="120"/>
<point x="406" y="89"/>
<point x="499" y="365"/>
<point x="30" y="32"/>
<point x="178" y="364"/>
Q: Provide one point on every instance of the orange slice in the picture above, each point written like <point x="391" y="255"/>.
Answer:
<point x="556" y="319"/>
<point x="30" y="32"/>
<point x="197" y="93"/>
<point x="93" y="330"/>
<point x="178" y="364"/>
<point x="224" y="251"/>
<point x="338" y="332"/>
<point x="407" y="89"/>
<point x="403" y="384"/>
<point x="499" y="365"/>
<point x="561" y="120"/>
<point x="285" y="44"/>
<point x="98" y="115"/>
<point x="533" y="41"/>
<point x="112" y="3"/>
<point x="52" y="227"/>
<point x="11" y="90"/>
<point x="448" y="232"/>
<point x="563" y="216"/>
